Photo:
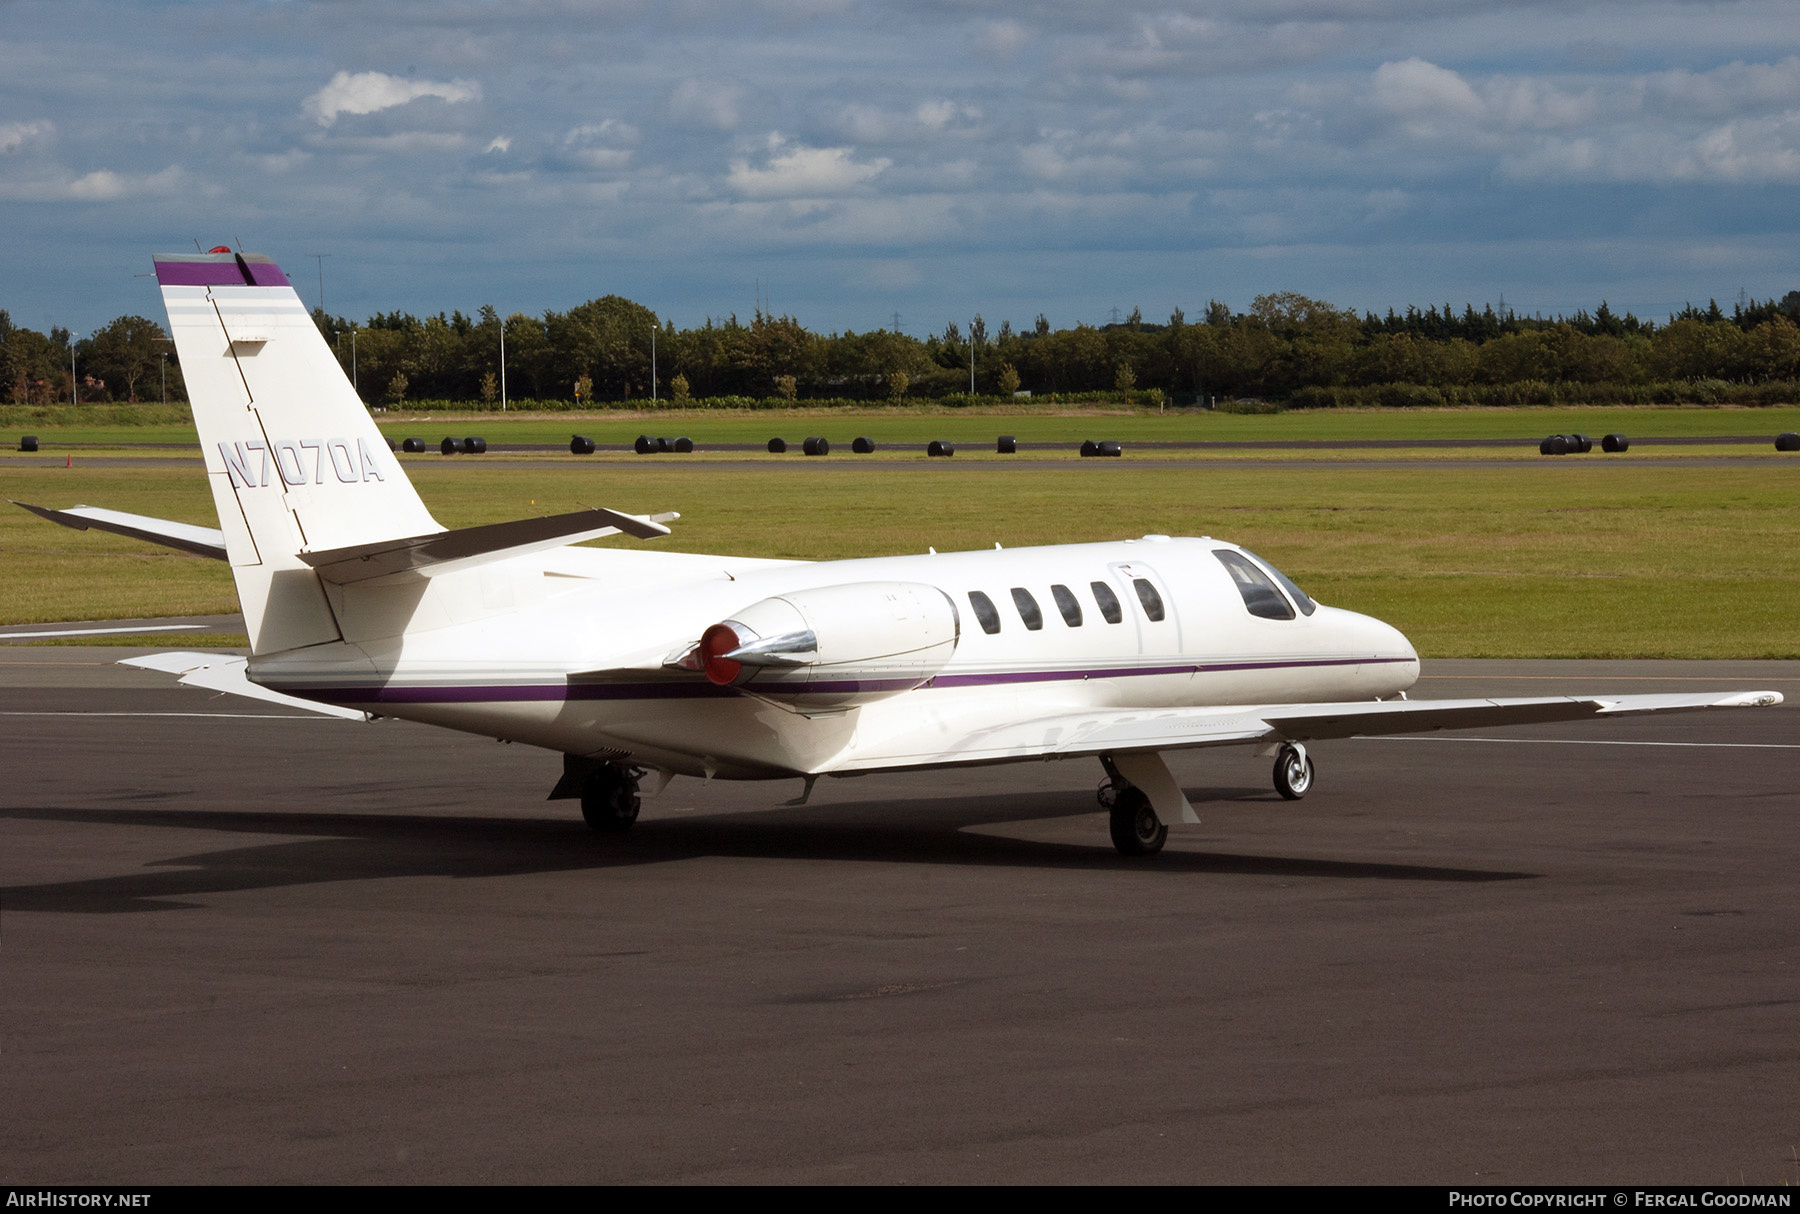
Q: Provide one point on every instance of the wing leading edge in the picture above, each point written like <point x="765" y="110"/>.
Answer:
<point x="1075" y="733"/>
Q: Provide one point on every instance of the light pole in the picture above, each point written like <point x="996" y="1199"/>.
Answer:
<point x="74" y="387"/>
<point x="320" y="258"/>
<point x="971" y="358"/>
<point x="353" y="386"/>
<point x="653" y="363"/>
<point x="503" y="366"/>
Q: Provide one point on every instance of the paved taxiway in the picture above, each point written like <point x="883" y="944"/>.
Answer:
<point x="241" y="945"/>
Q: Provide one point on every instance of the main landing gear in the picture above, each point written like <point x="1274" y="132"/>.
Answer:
<point x="609" y="797"/>
<point x="1293" y="771"/>
<point x="1135" y="828"/>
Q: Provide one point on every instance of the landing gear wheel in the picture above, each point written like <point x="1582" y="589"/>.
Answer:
<point x="1293" y="771"/>
<point x="609" y="798"/>
<point x="1136" y="830"/>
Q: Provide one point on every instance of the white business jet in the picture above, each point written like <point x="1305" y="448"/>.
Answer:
<point x="636" y="664"/>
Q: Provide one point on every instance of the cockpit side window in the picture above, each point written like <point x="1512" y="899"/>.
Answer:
<point x="1108" y="602"/>
<point x="1300" y="597"/>
<point x="1152" y="601"/>
<point x="1260" y="595"/>
<point x="1067" y="604"/>
<point x="984" y="612"/>
<point x="1028" y="608"/>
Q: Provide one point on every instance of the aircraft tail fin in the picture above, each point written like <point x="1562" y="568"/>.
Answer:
<point x="295" y="462"/>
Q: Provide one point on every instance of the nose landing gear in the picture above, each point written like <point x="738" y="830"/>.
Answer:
<point x="1293" y="771"/>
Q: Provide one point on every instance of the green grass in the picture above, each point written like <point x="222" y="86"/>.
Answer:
<point x="978" y="428"/>
<point x="1612" y="560"/>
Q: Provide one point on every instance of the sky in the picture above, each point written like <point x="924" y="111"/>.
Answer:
<point x="846" y="161"/>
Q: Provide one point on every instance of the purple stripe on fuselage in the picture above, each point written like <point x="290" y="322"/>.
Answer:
<point x="552" y="692"/>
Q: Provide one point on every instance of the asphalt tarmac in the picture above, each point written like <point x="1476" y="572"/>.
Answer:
<point x="242" y="945"/>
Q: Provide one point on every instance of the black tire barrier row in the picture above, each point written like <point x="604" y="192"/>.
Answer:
<point x="1091" y="449"/>
<point x="28" y="443"/>
<point x="451" y="446"/>
<point x="1566" y="444"/>
<point x="413" y="446"/>
<point x="1787" y="442"/>
<point x="815" y="446"/>
<point x="645" y="445"/>
<point x="580" y="444"/>
<point x="1615" y="442"/>
<point x="777" y="446"/>
<point x="937" y="448"/>
<point x="1006" y="444"/>
<point x="863" y="446"/>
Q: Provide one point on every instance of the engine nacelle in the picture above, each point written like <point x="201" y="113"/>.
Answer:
<point x="834" y="646"/>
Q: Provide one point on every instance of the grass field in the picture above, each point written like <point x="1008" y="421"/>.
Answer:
<point x="975" y="429"/>
<point x="1545" y="559"/>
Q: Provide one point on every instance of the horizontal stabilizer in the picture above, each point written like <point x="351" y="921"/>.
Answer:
<point x="201" y="541"/>
<point x="448" y="551"/>
<point x="225" y="672"/>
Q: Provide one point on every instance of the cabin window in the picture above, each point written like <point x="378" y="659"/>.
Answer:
<point x="1066" y="603"/>
<point x="1300" y="597"/>
<point x="1028" y="608"/>
<point x="1108" y="602"/>
<point x="1152" y="601"/>
<point x="1260" y="595"/>
<point x="984" y="612"/>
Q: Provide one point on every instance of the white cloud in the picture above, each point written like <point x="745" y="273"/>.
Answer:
<point x="501" y="144"/>
<point x="1429" y="100"/>
<point x="711" y="103"/>
<point x="15" y="135"/>
<point x="929" y="118"/>
<point x="802" y="172"/>
<point x="1002" y="39"/>
<point x="369" y="92"/>
<point x="101" y="185"/>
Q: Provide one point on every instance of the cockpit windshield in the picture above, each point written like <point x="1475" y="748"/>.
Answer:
<point x="1253" y="581"/>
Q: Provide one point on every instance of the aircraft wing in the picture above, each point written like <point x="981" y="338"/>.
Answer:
<point x="201" y="541"/>
<point x="1076" y="732"/>
<point x="225" y="672"/>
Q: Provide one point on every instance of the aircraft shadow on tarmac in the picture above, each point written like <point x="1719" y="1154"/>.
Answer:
<point x="356" y="847"/>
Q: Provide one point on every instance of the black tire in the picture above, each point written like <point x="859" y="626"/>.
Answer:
<point x="413" y="446"/>
<point x="665" y="445"/>
<point x="1580" y="444"/>
<point x="28" y="443"/>
<point x="1136" y="830"/>
<point x="475" y="446"/>
<point x="1615" y="442"/>
<point x="937" y="447"/>
<point x="816" y="446"/>
<point x="1556" y="444"/>
<point x="684" y="446"/>
<point x="1110" y="448"/>
<point x="777" y="446"/>
<point x="580" y="444"/>
<point x="1089" y="449"/>
<point x="450" y="446"/>
<point x="1006" y="444"/>
<point x="1293" y="772"/>
<point x="644" y="445"/>
<point x="1787" y="442"/>
<point x="862" y="446"/>
<point x="609" y="799"/>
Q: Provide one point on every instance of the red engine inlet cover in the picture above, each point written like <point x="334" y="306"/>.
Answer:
<point x="719" y="639"/>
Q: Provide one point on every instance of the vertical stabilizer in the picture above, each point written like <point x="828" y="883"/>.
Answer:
<point x="295" y="462"/>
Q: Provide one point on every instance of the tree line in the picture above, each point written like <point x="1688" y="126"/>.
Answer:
<point x="1286" y="347"/>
